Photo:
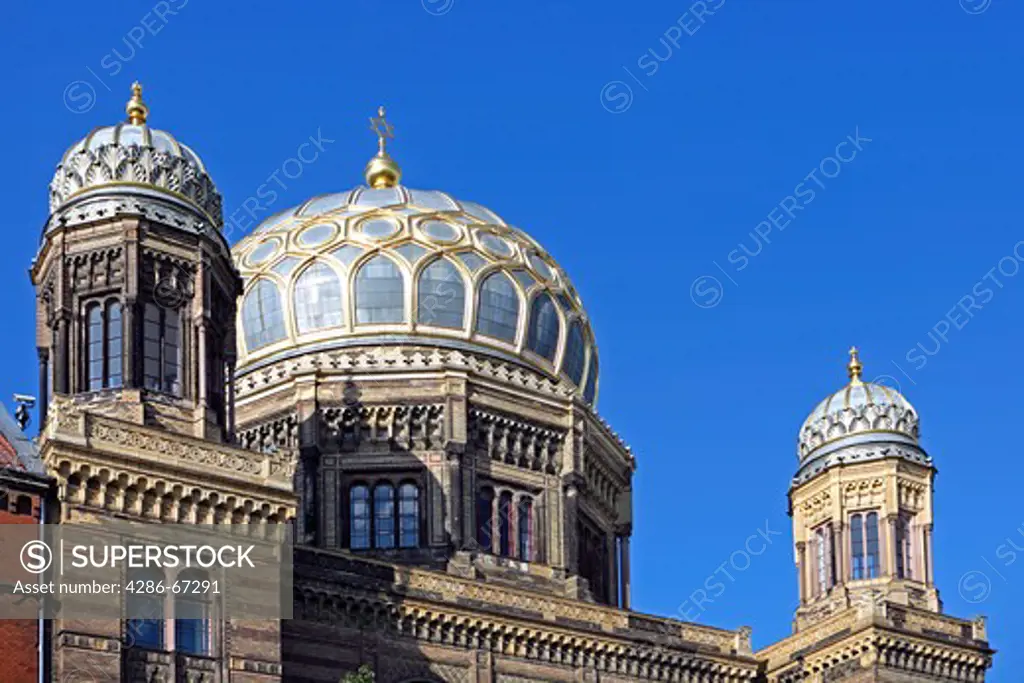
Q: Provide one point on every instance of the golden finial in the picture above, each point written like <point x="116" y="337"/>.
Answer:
<point x="854" y="367"/>
<point x="136" y="109"/>
<point x="382" y="171"/>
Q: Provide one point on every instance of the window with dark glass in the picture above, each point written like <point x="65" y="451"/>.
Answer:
<point x="384" y="516"/>
<point x="359" y="517"/>
<point x="498" y="312"/>
<point x="408" y="516"/>
<point x="524" y="527"/>
<point x="864" y="552"/>
<point x="145" y="610"/>
<point x="857" y="547"/>
<point x="590" y="391"/>
<point x="575" y="353"/>
<point x="161" y="349"/>
<point x="104" y="349"/>
<point x="380" y="292"/>
<point x="441" y="296"/>
<point x="191" y="615"/>
<point x="542" y="338"/>
<point x="871" y="538"/>
<point x="485" y="519"/>
<point x="505" y="524"/>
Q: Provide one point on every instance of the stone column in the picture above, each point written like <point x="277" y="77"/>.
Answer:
<point x="839" y="539"/>
<point x="624" y="563"/>
<point x="132" y="345"/>
<point x="453" y="497"/>
<point x="61" y="385"/>
<point x="612" y="560"/>
<point x="44" y="384"/>
<point x="570" y="532"/>
<point x="801" y="567"/>
<point x="929" y="561"/>
<point x="889" y="549"/>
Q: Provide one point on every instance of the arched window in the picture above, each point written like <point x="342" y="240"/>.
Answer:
<point x="192" y="614"/>
<point x="104" y="351"/>
<point x="262" y="317"/>
<point x="505" y="524"/>
<point x="384" y="516"/>
<point x="441" y="296"/>
<point x="591" y="389"/>
<point x="359" y="517"/>
<point x="498" y="312"/>
<point x="864" y="552"/>
<point x="524" y="525"/>
<point x="144" y="626"/>
<point x="161" y="349"/>
<point x="380" y="292"/>
<point x="904" y="567"/>
<point x="408" y="516"/>
<point x="318" y="299"/>
<point x="543" y="335"/>
<point x="485" y="519"/>
<point x="575" y="353"/>
<point x="823" y="558"/>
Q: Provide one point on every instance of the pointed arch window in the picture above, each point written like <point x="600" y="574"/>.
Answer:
<point x="441" y="296"/>
<point x="498" y="312"/>
<point x="485" y="519"/>
<point x="408" y="516"/>
<point x="575" y="353"/>
<point x="384" y="516"/>
<point x="318" y="299"/>
<point x="505" y="524"/>
<point x="824" y="559"/>
<point x="542" y="338"/>
<point x="904" y="566"/>
<point x="161" y="349"/>
<point x="104" y="345"/>
<point x="524" y="528"/>
<point x="380" y="292"/>
<point x="864" y="552"/>
<point x="262" y="315"/>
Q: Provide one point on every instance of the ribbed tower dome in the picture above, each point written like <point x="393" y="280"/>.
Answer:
<point x="132" y="159"/>
<point x="386" y="264"/>
<point x="858" y="415"/>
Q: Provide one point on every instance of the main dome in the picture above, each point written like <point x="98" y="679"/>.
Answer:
<point x="859" y="413"/>
<point x="393" y="265"/>
<point x="133" y="159"/>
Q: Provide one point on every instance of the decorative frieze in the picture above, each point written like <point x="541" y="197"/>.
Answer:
<point x="404" y="427"/>
<point x="515" y="441"/>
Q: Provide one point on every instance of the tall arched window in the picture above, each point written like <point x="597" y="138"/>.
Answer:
<point x="441" y="295"/>
<point x="192" y="614"/>
<point x="359" y="517"/>
<point x="384" y="516"/>
<point x="524" y="527"/>
<point x="575" y="353"/>
<point x="408" y="516"/>
<point x="485" y="519"/>
<point x="104" y="351"/>
<point x="871" y="536"/>
<point x="823" y="558"/>
<point x="144" y="626"/>
<point x="857" y="547"/>
<point x="591" y="389"/>
<point x="904" y="567"/>
<point x="543" y="335"/>
<point x="505" y="524"/>
<point x="318" y="299"/>
<point x="161" y="349"/>
<point x="864" y="551"/>
<point x="380" y="292"/>
<point x="498" y="312"/>
<point x="262" y="317"/>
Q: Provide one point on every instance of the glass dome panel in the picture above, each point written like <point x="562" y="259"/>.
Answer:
<point x="347" y="254"/>
<point x="591" y="389"/>
<point x="132" y="135"/>
<point x="377" y="198"/>
<point x="285" y="266"/>
<point x="440" y="231"/>
<point x="495" y="245"/>
<point x="472" y="261"/>
<point x="326" y="203"/>
<point x="263" y="252"/>
<point x="575" y="353"/>
<point x="262" y="315"/>
<point x="524" y="278"/>
<point x="441" y="296"/>
<point x="498" y="312"/>
<point x="162" y="142"/>
<point x="542" y="338"/>
<point x="102" y="136"/>
<point x="437" y="201"/>
<point x="411" y="252"/>
<point x="540" y="267"/>
<point x="481" y="212"/>
<point x="380" y="292"/>
<point x="318" y="299"/>
<point x="379" y="228"/>
<point x="317" y="235"/>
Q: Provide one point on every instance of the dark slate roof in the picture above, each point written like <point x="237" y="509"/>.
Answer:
<point x="17" y="451"/>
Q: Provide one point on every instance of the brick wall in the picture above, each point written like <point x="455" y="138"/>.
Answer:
<point x="20" y="637"/>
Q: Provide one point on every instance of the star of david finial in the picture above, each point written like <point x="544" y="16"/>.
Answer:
<point x="383" y="129"/>
<point x="855" y="367"/>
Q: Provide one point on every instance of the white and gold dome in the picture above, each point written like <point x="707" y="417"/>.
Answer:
<point x="862" y="414"/>
<point x="386" y="264"/>
<point x="133" y="160"/>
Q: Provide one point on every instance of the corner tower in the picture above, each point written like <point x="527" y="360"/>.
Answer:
<point x="861" y="503"/>
<point x="134" y="282"/>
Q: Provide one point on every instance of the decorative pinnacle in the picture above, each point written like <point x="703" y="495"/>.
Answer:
<point x="136" y="109"/>
<point x="382" y="171"/>
<point x="855" y="367"/>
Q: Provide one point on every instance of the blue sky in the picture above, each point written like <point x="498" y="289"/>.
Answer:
<point x="668" y="184"/>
